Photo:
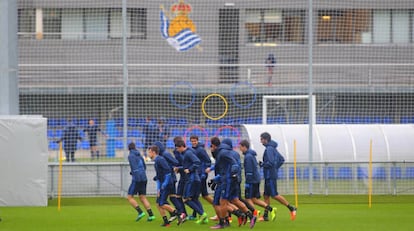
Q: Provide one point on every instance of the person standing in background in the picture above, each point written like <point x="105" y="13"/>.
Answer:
<point x="164" y="131"/>
<point x="92" y="130"/>
<point x="270" y="65"/>
<point x="151" y="133"/>
<point x="70" y="139"/>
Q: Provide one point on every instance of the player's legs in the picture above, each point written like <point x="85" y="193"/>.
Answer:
<point x="72" y="156"/>
<point x="142" y="192"/>
<point x="93" y="147"/>
<point x="249" y="194"/>
<point x="163" y="204"/>
<point x="204" y="191"/>
<point x="179" y="196"/>
<point x="268" y="192"/>
<point x="133" y="190"/>
<point x="94" y="152"/>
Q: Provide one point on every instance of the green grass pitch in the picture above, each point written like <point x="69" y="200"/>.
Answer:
<point x="314" y="213"/>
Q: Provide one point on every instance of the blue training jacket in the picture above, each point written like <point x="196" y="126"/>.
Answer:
<point x="204" y="159"/>
<point x="162" y="170"/>
<point x="172" y="162"/>
<point x="235" y="155"/>
<point x="137" y="165"/>
<point x="272" y="160"/>
<point x="192" y="163"/>
<point x="226" y="166"/>
<point x="251" y="170"/>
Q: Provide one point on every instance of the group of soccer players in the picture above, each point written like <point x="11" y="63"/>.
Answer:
<point x="193" y="166"/>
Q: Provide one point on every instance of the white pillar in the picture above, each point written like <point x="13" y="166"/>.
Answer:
<point x="9" y="92"/>
<point x="39" y="23"/>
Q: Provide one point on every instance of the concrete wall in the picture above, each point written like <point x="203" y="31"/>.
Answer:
<point x="149" y="58"/>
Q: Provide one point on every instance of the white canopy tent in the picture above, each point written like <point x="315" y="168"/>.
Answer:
<point x="338" y="142"/>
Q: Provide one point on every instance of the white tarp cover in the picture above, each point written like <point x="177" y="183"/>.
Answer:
<point x="23" y="161"/>
<point x="339" y="142"/>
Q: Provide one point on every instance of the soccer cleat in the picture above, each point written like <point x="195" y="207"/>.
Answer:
<point x="218" y="226"/>
<point x="242" y="220"/>
<point x="141" y="215"/>
<point x="253" y="221"/>
<point x="214" y="218"/>
<point x="166" y="225"/>
<point x="293" y="214"/>
<point x="191" y="218"/>
<point x="151" y="218"/>
<point x="203" y="219"/>
<point x="273" y="214"/>
<point x="172" y="218"/>
<point x="263" y="218"/>
<point x="230" y="220"/>
<point x="181" y="218"/>
<point x="245" y="220"/>
<point x="226" y="224"/>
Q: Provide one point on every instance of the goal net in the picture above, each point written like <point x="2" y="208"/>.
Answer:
<point x="203" y="67"/>
<point x="153" y="70"/>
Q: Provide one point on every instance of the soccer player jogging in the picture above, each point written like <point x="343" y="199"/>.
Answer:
<point x="139" y="183"/>
<point x="245" y="209"/>
<point x="191" y="165"/>
<point x="252" y="179"/>
<point x="226" y="170"/>
<point x="272" y="161"/>
<point x="172" y="162"/>
<point x="182" y="180"/>
<point x="205" y="163"/>
<point x="164" y="185"/>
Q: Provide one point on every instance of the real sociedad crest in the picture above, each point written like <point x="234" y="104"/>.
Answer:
<point x="177" y="28"/>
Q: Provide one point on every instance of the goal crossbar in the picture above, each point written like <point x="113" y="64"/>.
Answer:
<point x="311" y="103"/>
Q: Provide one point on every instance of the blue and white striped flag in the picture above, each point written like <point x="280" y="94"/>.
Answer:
<point x="183" y="41"/>
<point x="164" y="25"/>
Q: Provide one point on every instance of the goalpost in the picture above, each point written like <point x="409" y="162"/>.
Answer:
<point x="311" y="103"/>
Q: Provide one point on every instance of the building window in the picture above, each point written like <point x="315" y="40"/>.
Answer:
<point x="26" y="25"/>
<point x="72" y="24"/>
<point x="52" y="23"/>
<point x="138" y="18"/>
<point x="96" y="24"/>
<point x="381" y="26"/>
<point x="83" y="24"/>
<point x="363" y="26"/>
<point x="391" y="26"/>
<point x="400" y="26"/>
<point x="343" y="26"/>
<point x="275" y="26"/>
<point x="136" y="23"/>
<point x="229" y="45"/>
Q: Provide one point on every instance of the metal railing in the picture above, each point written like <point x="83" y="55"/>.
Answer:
<point x="323" y="178"/>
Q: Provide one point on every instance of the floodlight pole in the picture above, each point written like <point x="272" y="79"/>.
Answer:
<point x="125" y="75"/>
<point x="310" y="92"/>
